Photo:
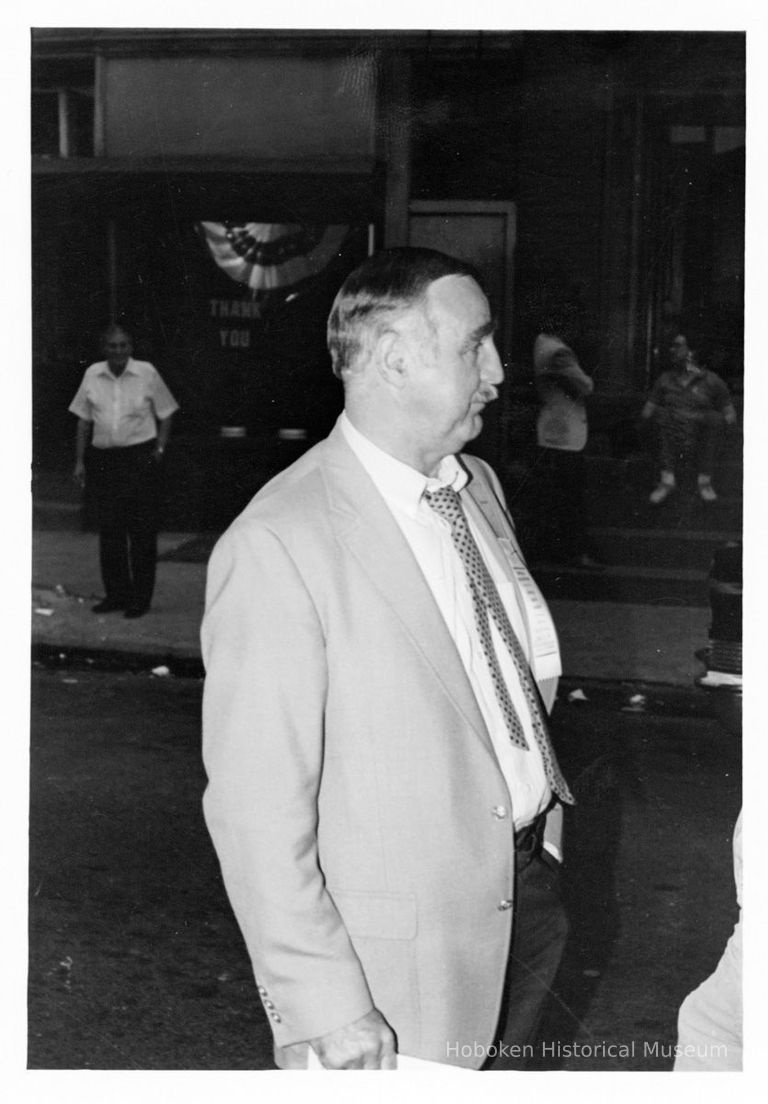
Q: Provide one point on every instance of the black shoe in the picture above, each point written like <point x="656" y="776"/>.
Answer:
<point x="136" y="611"/>
<point x="108" y="605"/>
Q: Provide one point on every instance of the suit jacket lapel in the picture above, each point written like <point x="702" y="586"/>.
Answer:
<point x="481" y="505"/>
<point x="366" y="528"/>
<point x="486" y="512"/>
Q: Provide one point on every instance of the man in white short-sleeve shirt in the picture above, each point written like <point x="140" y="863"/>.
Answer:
<point x="124" y="412"/>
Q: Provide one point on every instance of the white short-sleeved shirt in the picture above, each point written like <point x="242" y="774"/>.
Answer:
<point x="124" y="409"/>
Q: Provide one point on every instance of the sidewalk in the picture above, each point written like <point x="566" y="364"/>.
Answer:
<point x="603" y="641"/>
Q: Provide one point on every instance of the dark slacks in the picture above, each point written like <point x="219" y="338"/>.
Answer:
<point x="539" y="934"/>
<point x="126" y="491"/>
<point x="562" y="483"/>
<point x="689" y="441"/>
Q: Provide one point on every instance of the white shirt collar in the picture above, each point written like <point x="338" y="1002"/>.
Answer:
<point x="129" y="370"/>
<point x="400" y="485"/>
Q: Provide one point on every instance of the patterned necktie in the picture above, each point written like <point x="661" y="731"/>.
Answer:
<point x="485" y="600"/>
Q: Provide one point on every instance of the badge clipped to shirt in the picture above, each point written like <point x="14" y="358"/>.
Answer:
<point x="540" y="627"/>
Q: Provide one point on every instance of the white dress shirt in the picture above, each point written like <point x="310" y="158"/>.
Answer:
<point x="123" y="408"/>
<point x="429" y="537"/>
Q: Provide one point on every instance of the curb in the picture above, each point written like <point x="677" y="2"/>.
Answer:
<point x="64" y="656"/>
<point x="625" y="695"/>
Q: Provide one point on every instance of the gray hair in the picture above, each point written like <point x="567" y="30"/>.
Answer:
<point x="383" y="285"/>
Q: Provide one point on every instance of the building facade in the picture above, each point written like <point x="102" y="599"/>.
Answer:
<point x="210" y="189"/>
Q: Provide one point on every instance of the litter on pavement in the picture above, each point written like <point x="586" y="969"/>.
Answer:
<point x="577" y="695"/>
<point x="636" y="704"/>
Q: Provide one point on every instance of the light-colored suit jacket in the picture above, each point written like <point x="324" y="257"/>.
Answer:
<point x="354" y="798"/>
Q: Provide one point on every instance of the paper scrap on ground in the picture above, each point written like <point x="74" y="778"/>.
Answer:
<point x="404" y="1062"/>
<point x="720" y="678"/>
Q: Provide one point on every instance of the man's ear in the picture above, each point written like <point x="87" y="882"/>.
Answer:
<point x="391" y="358"/>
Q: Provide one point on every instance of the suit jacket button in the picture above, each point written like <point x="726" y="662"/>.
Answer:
<point x="504" y="905"/>
<point x="268" y="1004"/>
<point x="276" y="1017"/>
<point x="262" y="991"/>
<point x="500" y="812"/>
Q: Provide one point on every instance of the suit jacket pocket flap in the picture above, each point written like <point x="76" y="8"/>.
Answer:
<point x="377" y="915"/>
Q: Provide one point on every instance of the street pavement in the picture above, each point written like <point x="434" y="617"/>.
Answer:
<point x="614" y="642"/>
<point x="136" y="962"/>
<point x="135" y="958"/>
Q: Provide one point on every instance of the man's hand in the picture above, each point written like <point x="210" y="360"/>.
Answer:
<point x="368" y="1043"/>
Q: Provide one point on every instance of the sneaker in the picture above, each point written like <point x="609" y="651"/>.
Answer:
<point x="663" y="491"/>
<point x="707" y="492"/>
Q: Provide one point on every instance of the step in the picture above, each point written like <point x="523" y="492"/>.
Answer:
<point x="660" y="548"/>
<point x="652" y="586"/>
<point x="727" y="481"/>
<point x="617" y="496"/>
<point x="633" y="477"/>
<point x="632" y="511"/>
<point x="681" y="512"/>
<point x="729" y="467"/>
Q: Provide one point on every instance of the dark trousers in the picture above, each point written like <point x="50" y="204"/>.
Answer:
<point x="693" y="442"/>
<point x="562" y="504"/>
<point x="125" y="485"/>
<point x="539" y="933"/>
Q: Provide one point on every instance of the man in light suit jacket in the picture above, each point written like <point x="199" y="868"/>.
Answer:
<point x="382" y="794"/>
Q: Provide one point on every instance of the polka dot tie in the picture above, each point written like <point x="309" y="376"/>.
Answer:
<point x="486" y="600"/>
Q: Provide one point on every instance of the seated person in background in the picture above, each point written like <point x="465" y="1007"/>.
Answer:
<point x="690" y="405"/>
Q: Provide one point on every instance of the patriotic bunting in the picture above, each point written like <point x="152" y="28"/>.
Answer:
<point x="269" y="255"/>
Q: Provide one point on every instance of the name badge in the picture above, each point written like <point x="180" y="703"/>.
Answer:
<point x="542" y="631"/>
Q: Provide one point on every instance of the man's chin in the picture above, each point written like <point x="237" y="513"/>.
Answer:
<point x="472" y="427"/>
<point x="476" y="421"/>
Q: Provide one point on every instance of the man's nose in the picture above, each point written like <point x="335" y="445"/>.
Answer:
<point x="491" y="370"/>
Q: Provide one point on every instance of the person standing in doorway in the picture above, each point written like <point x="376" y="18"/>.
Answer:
<point x="561" y="434"/>
<point x="124" y="412"/>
